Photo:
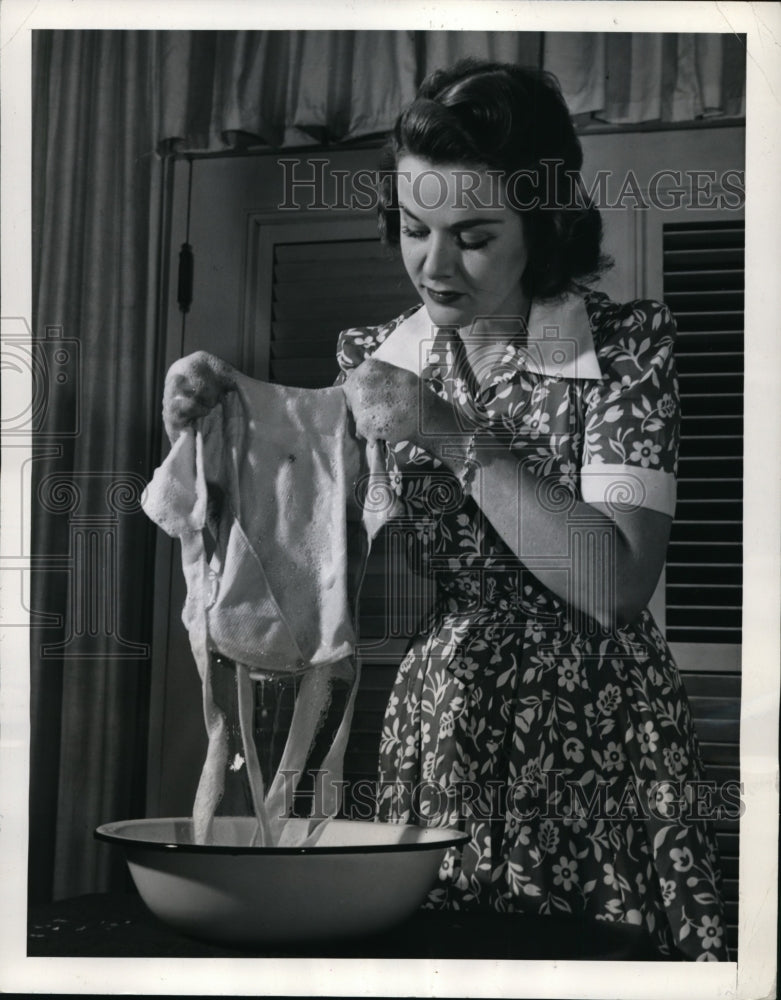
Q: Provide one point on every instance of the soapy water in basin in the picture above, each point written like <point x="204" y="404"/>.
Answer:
<point x="234" y="833"/>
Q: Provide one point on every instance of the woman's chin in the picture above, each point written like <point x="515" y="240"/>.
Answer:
<point x="453" y="314"/>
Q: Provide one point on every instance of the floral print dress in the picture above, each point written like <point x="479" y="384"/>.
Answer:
<point x="566" y="751"/>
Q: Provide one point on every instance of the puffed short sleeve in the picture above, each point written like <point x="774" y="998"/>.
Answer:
<point x="632" y="416"/>
<point x="351" y="349"/>
<point x="356" y="343"/>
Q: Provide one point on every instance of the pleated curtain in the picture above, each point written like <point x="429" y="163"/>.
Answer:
<point x="228" y="89"/>
<point x="627" y="79"/>
<point x="96" y="219"/>
<point x="295" y="88"/>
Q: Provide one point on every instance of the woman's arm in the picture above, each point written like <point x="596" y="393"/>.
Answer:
<point x="603" y="559"/>
<point x="611" y="581"/>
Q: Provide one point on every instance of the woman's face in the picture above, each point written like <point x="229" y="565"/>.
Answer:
<point x="463" y="246"/>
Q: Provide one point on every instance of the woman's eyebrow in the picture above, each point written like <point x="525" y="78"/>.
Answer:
<point x="466" y="224"/>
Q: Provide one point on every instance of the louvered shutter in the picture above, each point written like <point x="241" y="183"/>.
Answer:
<point x="703" y="286"/>
<point x="703" y="272"/>
<point x="321" y="287"/>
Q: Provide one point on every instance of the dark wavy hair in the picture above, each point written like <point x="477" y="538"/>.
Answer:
<point x="513" y="119"/>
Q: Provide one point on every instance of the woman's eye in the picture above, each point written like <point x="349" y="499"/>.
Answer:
<point x="472" y="244"/>
<point x="475" y="243"/>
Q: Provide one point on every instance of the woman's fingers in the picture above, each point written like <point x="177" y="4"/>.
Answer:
<point x="193" y="386"/>
<point x="383" y="400"/>
<point x="201" y="375"/>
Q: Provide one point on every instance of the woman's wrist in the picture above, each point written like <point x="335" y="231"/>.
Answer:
<point x="444" y="434"/>
<point x="469" y="465"/>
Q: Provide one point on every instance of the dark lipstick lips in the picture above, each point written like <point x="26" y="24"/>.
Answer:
<point x="443" y="298"/>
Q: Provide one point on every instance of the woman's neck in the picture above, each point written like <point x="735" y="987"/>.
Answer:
<point x="486" y="340"/>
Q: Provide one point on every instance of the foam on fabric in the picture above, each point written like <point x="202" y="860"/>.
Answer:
<point x="269" y="483"/>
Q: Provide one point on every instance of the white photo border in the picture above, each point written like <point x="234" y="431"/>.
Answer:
<point x="754" y="975"/>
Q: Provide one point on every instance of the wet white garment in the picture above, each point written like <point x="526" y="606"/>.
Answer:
<point x="272" y="481"/>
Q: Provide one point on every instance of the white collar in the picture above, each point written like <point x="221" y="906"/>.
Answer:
<point x="556" y="342"/>
<point x="559" y="341"/>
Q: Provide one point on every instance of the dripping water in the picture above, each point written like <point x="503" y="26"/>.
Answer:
<point x="275" y="698"/>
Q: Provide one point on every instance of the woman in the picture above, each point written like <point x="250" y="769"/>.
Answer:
<point x="531" y="428"/>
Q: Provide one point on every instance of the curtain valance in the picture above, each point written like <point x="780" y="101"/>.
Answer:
<point x="224" y="89"/>
<point x="625" y="79"/>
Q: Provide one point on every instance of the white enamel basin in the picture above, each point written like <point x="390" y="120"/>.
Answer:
<point x="359" y="878"/>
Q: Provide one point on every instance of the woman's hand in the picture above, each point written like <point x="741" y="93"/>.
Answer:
<point x="193" y="386"/>
<point x="385" y="401"/>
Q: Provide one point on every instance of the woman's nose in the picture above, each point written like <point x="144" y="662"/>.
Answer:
<point x="438" y="262"/>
